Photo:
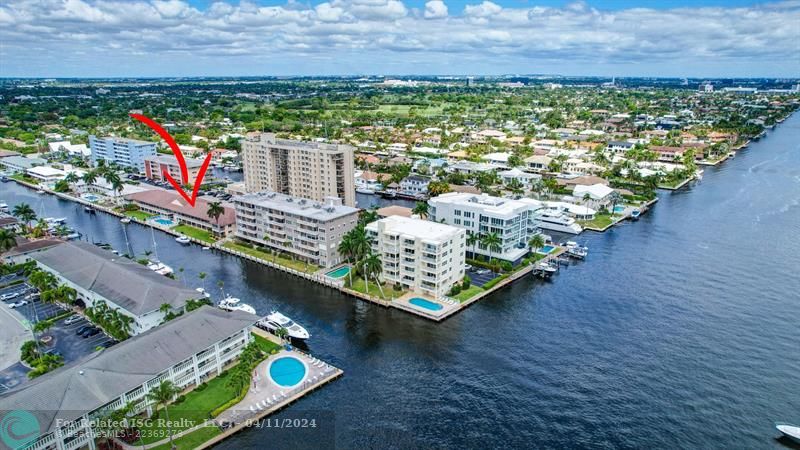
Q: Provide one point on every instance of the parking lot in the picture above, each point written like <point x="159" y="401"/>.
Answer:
<point x="63" y="339"/>
<point x="480" y="276"/>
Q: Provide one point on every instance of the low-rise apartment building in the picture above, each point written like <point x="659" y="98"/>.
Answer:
<point x="309" y="230"/>
<point x="421" y="255"/>
<point x="124" y="285"/>
<point x="68" y="402"/>
<point x="156" y="165"/>
<point x="514" y="221"/>
<point x="171" y="204"/>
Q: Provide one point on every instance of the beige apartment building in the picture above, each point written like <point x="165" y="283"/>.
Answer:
<point x="311" y="170"/>
<point x="423" y="256"/>
<point x="156" y="165"/>
<point x="308" y="229"/>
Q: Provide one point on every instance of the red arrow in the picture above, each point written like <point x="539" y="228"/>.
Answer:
<point x="181" y="161"/>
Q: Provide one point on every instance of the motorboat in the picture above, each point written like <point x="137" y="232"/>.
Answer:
<point x="276" y="320"/>
<point x="89" y="209"/>
<point x="575" y="250"/>
<point x="365" y="190"/>
<point x="635" y="214"/>
<point x="40" y="191"/>
<point x="125" y="220"/>
<point x="789" y="430"/>
<point x="160" y="268"/>
<point x="3" y="206"/>
<point x="556" y="221"/>
<point x="56" y="220"/>
<point x="544" y="269"/>
<point x="183" y="240"/>
<point x="234" y="304"/>
<point x="203" y="292"/>
<point x="206" y="248"/>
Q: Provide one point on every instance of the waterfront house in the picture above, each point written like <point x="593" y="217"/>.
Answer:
<point x="46" y="174"/>
<point x="514" y="221"/>
<point x="415" y="185"/>
<point x="172" y="204"/>
<point x="187" y="351"/>
<point x="124" y="285"/>
<point x="423" y="256"/>
<point x="599" y="195"/>
<point x="20" y="164"/>
<point x="310" y="231"/>
<point x="668" y="154"/>
<point x="537" y="163"/>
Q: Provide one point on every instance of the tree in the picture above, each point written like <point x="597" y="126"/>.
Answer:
<point x="421" y="209"/>
<point x="161" y="395"/>
<point x="25" y="213"/>
<point x="71" y="177"/>
<point x="215" y="210"/>
<point x="367" y="216"/>
<point x="202" y="276"/>
<point x="89" y="177"/>
<point x="7" y="240"/>
<point x="492" y="242"/>
<point x="346" y="249"/>
<point x="536" y="242"/>
<point x="372" y="268"/>
<point x="436" y="188"/>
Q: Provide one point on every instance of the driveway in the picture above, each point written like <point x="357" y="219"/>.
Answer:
<point x="479" y="279"/>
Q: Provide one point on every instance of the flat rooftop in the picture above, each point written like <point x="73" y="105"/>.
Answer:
<point x="487" y="203"/>
<point x="322" y="211"/>
<point x="425" y="230"/>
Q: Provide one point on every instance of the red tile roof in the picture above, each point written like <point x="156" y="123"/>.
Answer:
<point x="172" y="201"/>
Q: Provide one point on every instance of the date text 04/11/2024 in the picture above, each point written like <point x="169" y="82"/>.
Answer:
<point x="284" y="423"/>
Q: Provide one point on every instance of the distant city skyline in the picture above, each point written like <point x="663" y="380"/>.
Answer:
<point x="678" y="38"/>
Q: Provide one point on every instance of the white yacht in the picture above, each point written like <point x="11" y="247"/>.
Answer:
<point x="575" y="250"/>
<point x="556" y="221"/>
<point x="276" y="320"/>
<point x="160" y="268"/>
<point x="203" y="292"/>
<point x="789" y="430"/>
<point x="125" y="220"/>
<point x="234" y="304"/>
<point x="183" y="240"/>
<point x="3" y="206"/>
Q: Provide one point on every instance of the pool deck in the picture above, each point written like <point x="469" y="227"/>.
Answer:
<point x="448" y="306"/>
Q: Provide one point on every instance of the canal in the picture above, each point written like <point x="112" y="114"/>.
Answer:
<point x="679" y="330"/>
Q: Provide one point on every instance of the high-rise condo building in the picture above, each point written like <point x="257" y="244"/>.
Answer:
<point x="311" y="170"/>
<point x="125" y="152"/>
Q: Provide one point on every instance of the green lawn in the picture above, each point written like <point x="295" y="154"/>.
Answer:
<point x="141" y="215"/>
<point x="600" y="221"/>
<point x="282" y="260"/>
<point x="193" y="439"/>
<point x="361" y="286"/>
<point x="469" y="293"/>
<point x="22" y="177"/>
<point x="265" y="345"/>
<point x="196" y="233"/>
<point x="195" y="408"/>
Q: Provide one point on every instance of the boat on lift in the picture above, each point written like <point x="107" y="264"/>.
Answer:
<point x="160" y="268"/>
<point x="576" y="250"/>
<point x="635" y="214"/>
<point x="544" y="269"/>
<point x="203" y="292"/>
<point x="125" y="220"/>
<point x="275" y="321"/>
<point x="184" y="240"/>
<point x="234" y="304"/>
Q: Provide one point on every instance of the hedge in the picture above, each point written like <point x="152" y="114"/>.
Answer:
<point x="491" y="283"/>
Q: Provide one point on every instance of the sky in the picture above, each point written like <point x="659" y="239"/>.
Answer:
<point x="152" y="38"/>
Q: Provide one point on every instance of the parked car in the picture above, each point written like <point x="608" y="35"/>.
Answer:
<point x="18" y="304"/>
<point x="9" y="296"/>
<point x="90" y="332"/>
<point x="82" y="329"/>
<point x="72" y="319"/>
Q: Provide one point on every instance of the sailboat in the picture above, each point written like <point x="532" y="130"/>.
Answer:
<point x="155" y="265"/>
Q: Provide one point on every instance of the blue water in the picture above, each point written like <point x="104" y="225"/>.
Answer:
<point x="339" y="273"/>
<point x="163" y="221"/>
<point x="287" y="371"/>
<point x="427" y="304"/>
<point x="678" y="331"/>
<point x="619" y="209"/>
<point x="546" y="249"/>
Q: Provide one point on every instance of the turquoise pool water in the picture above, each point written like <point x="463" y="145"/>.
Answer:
<point x="90" y="197"/>
<point x="546" y="249"/>
<point x="163" y="221"/>
<point x="618" y="209"/>
<point x="339" y="273"/>
<point x="427" y="304"/>
<point x="287" y="371"/>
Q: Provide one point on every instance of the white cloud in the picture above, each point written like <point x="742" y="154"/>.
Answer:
<point x="369" y="36"/>
<point x="435" y="9"/>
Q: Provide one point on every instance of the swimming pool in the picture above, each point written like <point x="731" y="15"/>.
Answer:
<point x="339" y="273"/>
<point x="619" y="208"/>
<point x="90" y="197"/>
<point x="164" y="221"/>
<point x="546" y="249"/>
<point x="287" y="371"/>
<point x="427" y="304"/>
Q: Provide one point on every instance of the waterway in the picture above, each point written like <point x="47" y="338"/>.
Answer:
<point x="678" y="331"/>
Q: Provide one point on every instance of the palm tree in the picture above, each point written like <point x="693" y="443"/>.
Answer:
<point x="7" y="240"/>
<point x="492" y="242"/>
<point x="421" y="209"/>
<point x="436" y="188"/>
<point x="71" y="177"/>
<point x="114" y="180"/>
<point x="221" y="285"/>
<point x="372" y="267"/>
<point x="367" y="216"/>
<point x="165" y="308"/>
<point x="536" y="242"/>
<point x="202" y="276"/>
<point x="25" y="213"/>
<point x="89" y="177"/>
<point x="472" y="239"/>
<point x="346" y="249"/>
<point x="215" y="210"/>
<point x="162" y="395"/>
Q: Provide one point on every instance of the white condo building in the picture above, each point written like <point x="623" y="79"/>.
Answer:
<point x="424" y="256"/>
<point x="514" y="221"/>
<point x="125" y="152"/>
<point x="309" y="230"/>
<point x="312" y="170"/>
